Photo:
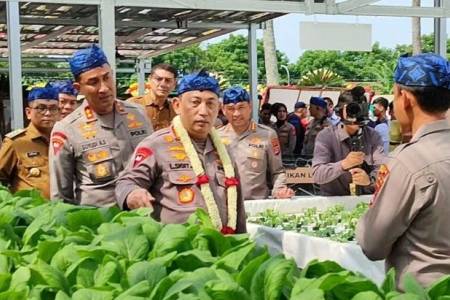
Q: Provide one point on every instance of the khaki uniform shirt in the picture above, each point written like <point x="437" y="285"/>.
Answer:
<point x="161" y="166"/>
<point x="159" y="116"/>
<point x="24" y="161"/>
<point x="313" y="129"/>
<point x="256" y="153"/>
<point x="408" y="222"/>
<point x="89" y="151"/>
<point x="332" y="146"/>
<point x="287" y="137"/>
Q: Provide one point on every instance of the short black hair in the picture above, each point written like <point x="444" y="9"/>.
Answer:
<point x="266" y="106"/>
<point x="391" y="106"/>
<point x="165" y="67"/>
<point x="430" y="99"/>
<point x="382" y="101"/>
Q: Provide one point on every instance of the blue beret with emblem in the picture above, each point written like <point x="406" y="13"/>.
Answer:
<point x="235" y="95"/>
<point x="423" y="70"/>
<point x="45" y="93"/>
<point x="63" y="87"/>
<point x="200" y="81"/>
<point x="318" y="101"/>
<point x="86" y="59"/>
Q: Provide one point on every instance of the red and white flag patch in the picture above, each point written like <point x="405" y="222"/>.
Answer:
<point x="57" y="140"/>
<point x="141" y="154"/>
<point x="276" y="146"/>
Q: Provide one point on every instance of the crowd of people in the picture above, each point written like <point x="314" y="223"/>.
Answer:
<point x="202" y="149"/>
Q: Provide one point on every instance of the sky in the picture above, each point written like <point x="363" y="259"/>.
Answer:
<point x="388" y="31"/>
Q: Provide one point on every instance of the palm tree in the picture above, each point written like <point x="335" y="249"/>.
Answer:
<point x="416" y="41"/>
<point x="270" y="54"/>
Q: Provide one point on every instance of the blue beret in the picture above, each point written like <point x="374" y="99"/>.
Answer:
<point x="235" y="95"/>
<point x="318" y="101"/>
<point x="86" y="59"/>
<point x="63" y="87"/>
<point x="199" y="81"/>
<point x="46" y="93"/>
<point x="425" y="70"/>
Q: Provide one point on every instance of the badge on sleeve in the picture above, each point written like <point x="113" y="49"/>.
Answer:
<point x="383" y="173"/>
<point x="58" y="139"/>
<point x="276" y="146"/>
<point x="186" y="195"/>
<point x="141" y="154"/>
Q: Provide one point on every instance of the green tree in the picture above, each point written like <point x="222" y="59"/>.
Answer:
<point x="186" y="60"/>
<point x="228" y="57"/>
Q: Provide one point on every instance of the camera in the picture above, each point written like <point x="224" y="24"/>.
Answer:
<point x="353" y="105"/>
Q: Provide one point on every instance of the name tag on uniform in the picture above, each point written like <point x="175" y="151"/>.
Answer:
<point x="177" y="166"/>
<point x="138" y="132"/>
<point x="257" y="146"/>
<point x="33" y="154"/>
<point x="93" y="144"/>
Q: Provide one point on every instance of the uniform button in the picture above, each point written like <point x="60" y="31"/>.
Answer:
<point x="430" y="178"/>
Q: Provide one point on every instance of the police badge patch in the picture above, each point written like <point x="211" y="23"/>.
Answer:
<point x="186" y="195"/>
<point x="276" y="146"/>
<point x="141" y="154"/>
<point x="383" y="173"/>
<point x="58" y="139"/>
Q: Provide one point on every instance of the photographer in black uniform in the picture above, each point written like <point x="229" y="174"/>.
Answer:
<point x="347" y="156"/>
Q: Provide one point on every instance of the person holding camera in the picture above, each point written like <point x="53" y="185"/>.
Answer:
<point x="347" y="156"/>
<point x="408" y="222"/>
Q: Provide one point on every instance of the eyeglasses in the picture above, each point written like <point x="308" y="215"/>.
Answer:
<point x="43" y="108"/>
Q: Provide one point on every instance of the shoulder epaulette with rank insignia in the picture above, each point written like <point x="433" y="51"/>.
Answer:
<point x="15" y="133"/>
<point x="121" y="108"/>
<point x="137" y="99"/>
<point x="89" y="113"/>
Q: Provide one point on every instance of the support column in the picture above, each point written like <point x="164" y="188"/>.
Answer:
<point x="440" y="31"/>
<point x="143" y="65"/>
<point x="253" y="70"/>
<point x="107" y="30"/>
<point x="15" y="63"/>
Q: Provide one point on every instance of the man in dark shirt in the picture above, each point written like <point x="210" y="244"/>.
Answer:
<point x="337" y="165"/>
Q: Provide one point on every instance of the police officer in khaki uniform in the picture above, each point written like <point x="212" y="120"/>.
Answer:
<point x="171" y="165"/>
<point x="24" y="152"/>
<point x="285" y="130"/>
<point x="92" y="145"/>
<point x="318" y="108"/>
<point x="254" y="148"/>
<point x="408" y="222"/>
<point x="162" y="82"/>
